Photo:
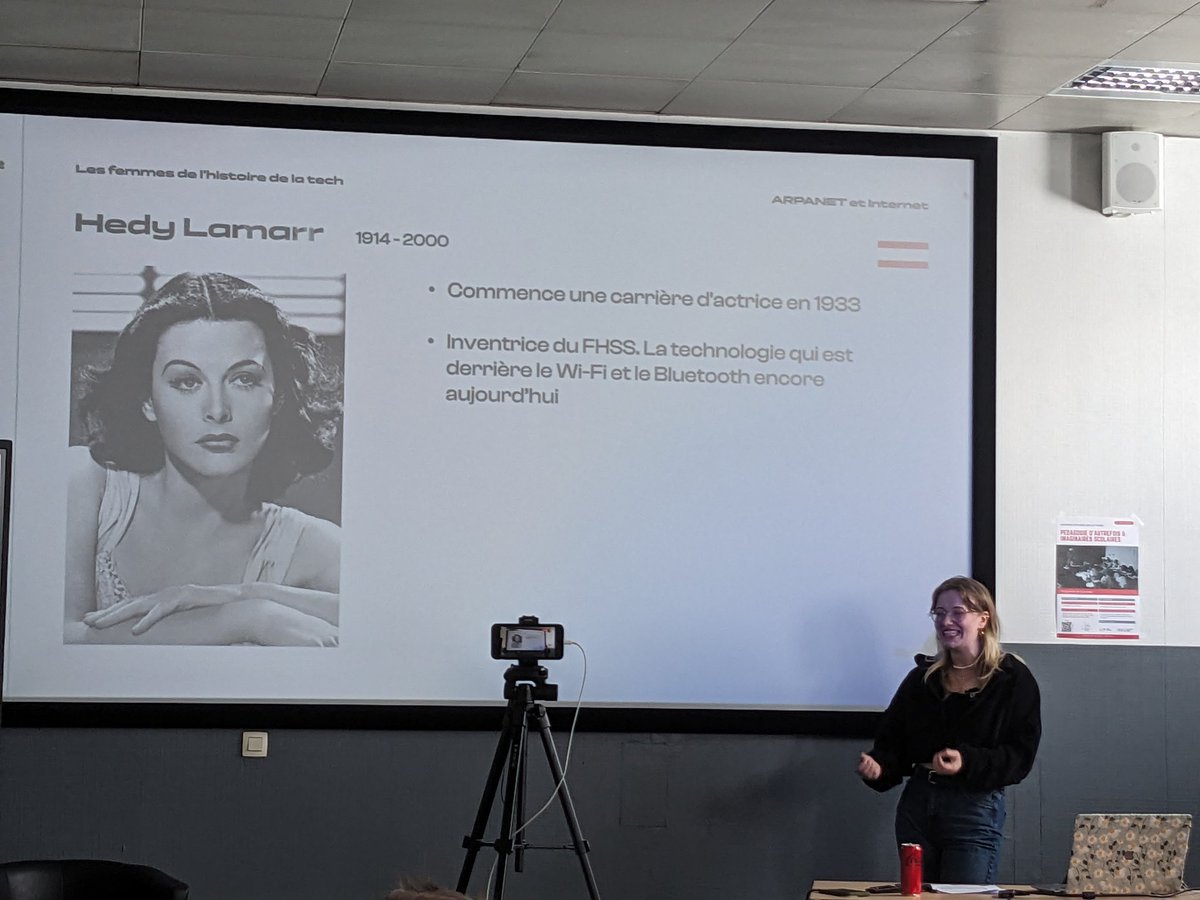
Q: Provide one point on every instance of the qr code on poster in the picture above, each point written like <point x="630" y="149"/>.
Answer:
<point x="1065" y="626"/>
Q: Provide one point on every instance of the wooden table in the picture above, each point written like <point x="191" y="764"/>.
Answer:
<point x="828" y="890"/>
<point x="831" y="890"/>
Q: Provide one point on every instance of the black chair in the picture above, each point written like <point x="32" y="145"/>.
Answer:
<point x="86" y="879"/>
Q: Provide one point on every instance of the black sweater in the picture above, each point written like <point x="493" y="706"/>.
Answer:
<point x="996" y="729"/>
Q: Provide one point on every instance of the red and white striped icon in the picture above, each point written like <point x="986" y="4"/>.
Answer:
<point x="903" y="254"/>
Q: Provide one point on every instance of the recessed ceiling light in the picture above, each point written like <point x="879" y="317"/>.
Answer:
<point x="1136" y="80"/>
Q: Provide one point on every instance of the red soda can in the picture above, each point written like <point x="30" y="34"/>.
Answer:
<point x="910" y="870"/>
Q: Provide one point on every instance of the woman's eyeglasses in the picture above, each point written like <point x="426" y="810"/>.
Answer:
<point x="956" y="614"/>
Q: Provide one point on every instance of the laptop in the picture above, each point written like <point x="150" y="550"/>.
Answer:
<point x="1128" y="853"/>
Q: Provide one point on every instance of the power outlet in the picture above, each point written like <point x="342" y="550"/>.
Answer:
<point x="254" y="743"/>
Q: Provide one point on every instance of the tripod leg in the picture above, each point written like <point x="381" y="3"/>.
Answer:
<point x="474" y="841"/>
<point x="519" y="812"/>
<point x="514" y="785"/>
<point x="564" y="798"/>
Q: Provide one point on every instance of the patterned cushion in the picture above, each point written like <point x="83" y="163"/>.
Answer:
<point x="1129" y="853"/>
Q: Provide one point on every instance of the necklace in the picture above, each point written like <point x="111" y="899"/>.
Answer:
<point x="972" y="664"/>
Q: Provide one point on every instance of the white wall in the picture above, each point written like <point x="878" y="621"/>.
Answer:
<point x="1181" y="396"/>
<point x="1097" y="377"/>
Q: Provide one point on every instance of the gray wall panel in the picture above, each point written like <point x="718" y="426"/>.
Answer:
<point x="344" y="813"/>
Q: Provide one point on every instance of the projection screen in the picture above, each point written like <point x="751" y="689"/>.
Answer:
<point x="715" y="399"/>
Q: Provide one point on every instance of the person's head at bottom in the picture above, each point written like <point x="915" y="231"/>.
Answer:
<point x="423" y="889"/>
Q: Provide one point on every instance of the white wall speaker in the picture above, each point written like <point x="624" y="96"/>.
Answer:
<point x="1132" y="172"/>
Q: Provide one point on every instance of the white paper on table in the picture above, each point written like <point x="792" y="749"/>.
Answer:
<point x="964" y="888"/>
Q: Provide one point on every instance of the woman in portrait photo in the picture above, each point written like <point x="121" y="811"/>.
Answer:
<point x="213" y="405"/>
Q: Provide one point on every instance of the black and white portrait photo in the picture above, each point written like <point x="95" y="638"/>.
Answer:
<point x="204" y="496"/>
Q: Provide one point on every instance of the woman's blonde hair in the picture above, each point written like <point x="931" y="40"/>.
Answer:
<point x="977" y="598"/>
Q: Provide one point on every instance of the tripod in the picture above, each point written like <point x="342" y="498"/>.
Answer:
<point x="524" y="686"/>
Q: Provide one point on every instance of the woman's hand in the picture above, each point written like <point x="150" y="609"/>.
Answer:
<point x="947" y="762"/>
<point x="868" y="768"/>
<point x="237" y="614"/>
<point x="270" y="624"/>
<point x="153" y="608"/>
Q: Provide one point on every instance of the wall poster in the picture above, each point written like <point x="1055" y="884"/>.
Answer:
<point x="1096" y="579"/>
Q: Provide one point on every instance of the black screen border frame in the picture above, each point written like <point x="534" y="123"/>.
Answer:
<point x="6" y="455"/>
<point x="980" y="149"/>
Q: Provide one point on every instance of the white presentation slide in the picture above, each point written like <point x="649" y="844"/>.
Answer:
<point x="300" y="415"/>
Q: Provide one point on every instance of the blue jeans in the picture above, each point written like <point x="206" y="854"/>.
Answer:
<point x="959" y="831"/>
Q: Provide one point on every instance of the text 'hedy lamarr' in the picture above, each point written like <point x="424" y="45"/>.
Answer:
<point x="166" y="230"/>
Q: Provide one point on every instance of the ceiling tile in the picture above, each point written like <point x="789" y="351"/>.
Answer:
<point x="1176" y="41"/>
<point x="85" y="26"/>
<point x="868" y="24"/>
<point x="1164" y="8"/>
<point x="747" y="60"/>
<point x="986" y="73"/>
<point x="648" y="57"/>
<point x="472" y="13"/>
<point x="662" y="18"/>
<point x="323" y="9"/>
<point x="926" y="63"/>
<point x="930" y="109"/>
<point x="239" y="34"/>
<point x="414" y="84"/>
<point x="447" y="46"/>
<point x="746" y="100"/>
<point x="230" y="73"/>
<point x="70" y="66"/>
<point x="1020" y="31"/>
<point x="70" y="5"/>
<point x="589" y="92"/>
<point x="1189" y="127"/>
<point x="1089" y="114"/>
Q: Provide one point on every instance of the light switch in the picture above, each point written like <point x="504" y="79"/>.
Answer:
<point x="254" y="743"/>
